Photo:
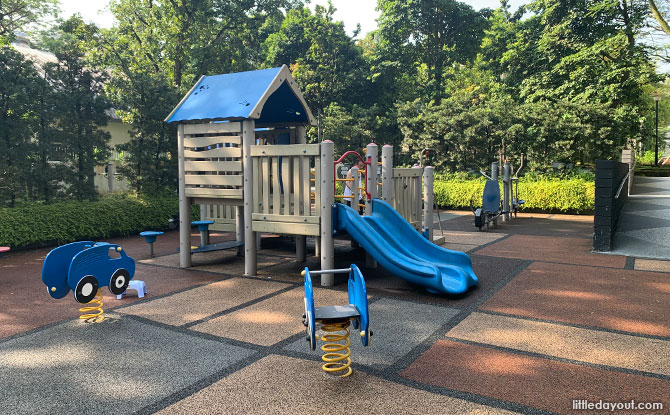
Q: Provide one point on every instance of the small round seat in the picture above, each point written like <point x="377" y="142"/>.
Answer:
<point x="150" y="238"/>
<point x="203" y="225"/>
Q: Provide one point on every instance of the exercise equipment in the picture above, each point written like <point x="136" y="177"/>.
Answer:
<point x="84" y="267"/>
<point x="334" y="321"/>
<point x="516" y="202"/>
<point x="492" y="205"/>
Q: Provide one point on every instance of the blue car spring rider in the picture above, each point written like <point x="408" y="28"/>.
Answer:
<point x="84" y="267"/>
<point x="334" y="321"/>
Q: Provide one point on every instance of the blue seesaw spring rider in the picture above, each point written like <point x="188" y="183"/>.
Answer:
<point x="334" y="321"/>
<point x="84" y="267"/>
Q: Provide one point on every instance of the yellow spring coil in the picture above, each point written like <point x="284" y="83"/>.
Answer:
<point x="93" y="314"/>
<point x="337" y="362"/>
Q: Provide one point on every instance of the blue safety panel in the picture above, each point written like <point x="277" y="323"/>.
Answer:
<point x="310" y="313"/>
<point x="491" y="197"/>
<point x="358" y="296"/>
<point x="234" y="96"/>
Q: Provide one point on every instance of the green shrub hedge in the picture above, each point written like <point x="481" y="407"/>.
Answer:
<point x="38" y="225"/>
<point x="652" y="171"/>
<point x="542" y="194"/>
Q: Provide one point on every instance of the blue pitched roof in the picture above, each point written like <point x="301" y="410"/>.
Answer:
<point x="266" y="95"/>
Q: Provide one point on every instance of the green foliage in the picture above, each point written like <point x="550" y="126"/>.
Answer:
<point x="423" y="37"/>
<point x="81" y="108"/>
<point x="63" y="222"/>
<point x="21" y="14"/>
<point x="324" y="60"/>
<point x="652" y="171"/>
<point x="574" y="195"/>
<point x="647" y="158"/>
<point x="19" y="86"/>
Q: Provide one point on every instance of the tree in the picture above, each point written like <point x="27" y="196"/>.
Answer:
<point x="425" y="37"/>
<point x="18" y="81"/>
<point x="325" y="61"/>
<point x="82" y="105"/>
<point x="17" y="14"/>
<point x="156" y="52"/>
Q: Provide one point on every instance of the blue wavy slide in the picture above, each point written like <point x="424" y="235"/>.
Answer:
<point x="404" y="252"/>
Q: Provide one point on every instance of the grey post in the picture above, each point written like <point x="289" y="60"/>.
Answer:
<point x="110" y="176"/>
<point x="507" y="190"/>
<point x="371" y="154"/>
<point x="494" y="170"/>
<point x="327" y="251"/>
<point x="248" y="138"/>
<point x="184" y="206"/>
<point x="387" y="174"/>
<point x="300" y="240"/>
<point x="204" y="237"/>
<point x="239" y="228"/>
<point x="354" y="187"/>
<point x="428" y="197"/>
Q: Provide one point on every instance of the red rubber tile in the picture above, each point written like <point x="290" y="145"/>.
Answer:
<point x="531" y="381"/>
<point x="551" y="249"/>
<point x="625" y="300"/>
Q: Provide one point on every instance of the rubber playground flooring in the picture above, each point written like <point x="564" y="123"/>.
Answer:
<point x="549" y="323"/>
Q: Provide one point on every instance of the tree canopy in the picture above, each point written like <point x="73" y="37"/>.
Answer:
<point x="557" y="80"/>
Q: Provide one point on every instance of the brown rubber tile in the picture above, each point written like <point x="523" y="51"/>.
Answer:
<point x="191" y="305"/>
<point x="625" y="300"/>
<point x="532" y="381"/>
<point x="271" y="320"/>
<point x="593" y="346"/>
<point x="551" y="249"/>
<point x="530" y="224"/>
<point x="652" y="265"/>
<point x="285" y="385"/>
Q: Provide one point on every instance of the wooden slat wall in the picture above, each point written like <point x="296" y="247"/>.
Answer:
<point x="407" y="194"/>
<point x="282" y="189"/>
<point x="213" y="161"/>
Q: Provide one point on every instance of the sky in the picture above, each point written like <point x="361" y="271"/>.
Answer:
<point x="348" y="11"/>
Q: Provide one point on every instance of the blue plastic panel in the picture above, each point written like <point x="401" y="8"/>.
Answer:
<point x="358" y="296"/>
<point x="309" y="310"/>
<point x="491" y="197"/>
<point x="97" y="262"/>
<point x="56" y="266"/>
<point x="234" y="95"/>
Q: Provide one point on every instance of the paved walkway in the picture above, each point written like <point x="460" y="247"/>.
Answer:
<point x="550" y="322"/>
<point x="644" y="227"/>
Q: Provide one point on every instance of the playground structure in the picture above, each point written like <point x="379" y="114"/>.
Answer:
<point x="84" y="267"/>
<point x="243" y="158"/>
<point x="493" y="206"/>
<point x="334" y="321"/>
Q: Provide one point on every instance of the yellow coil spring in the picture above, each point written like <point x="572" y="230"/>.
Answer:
<point x="337" y="355"/>
<point x="93" y="314"/>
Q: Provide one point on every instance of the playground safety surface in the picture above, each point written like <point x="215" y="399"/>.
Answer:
<point x="549" y="323"/>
